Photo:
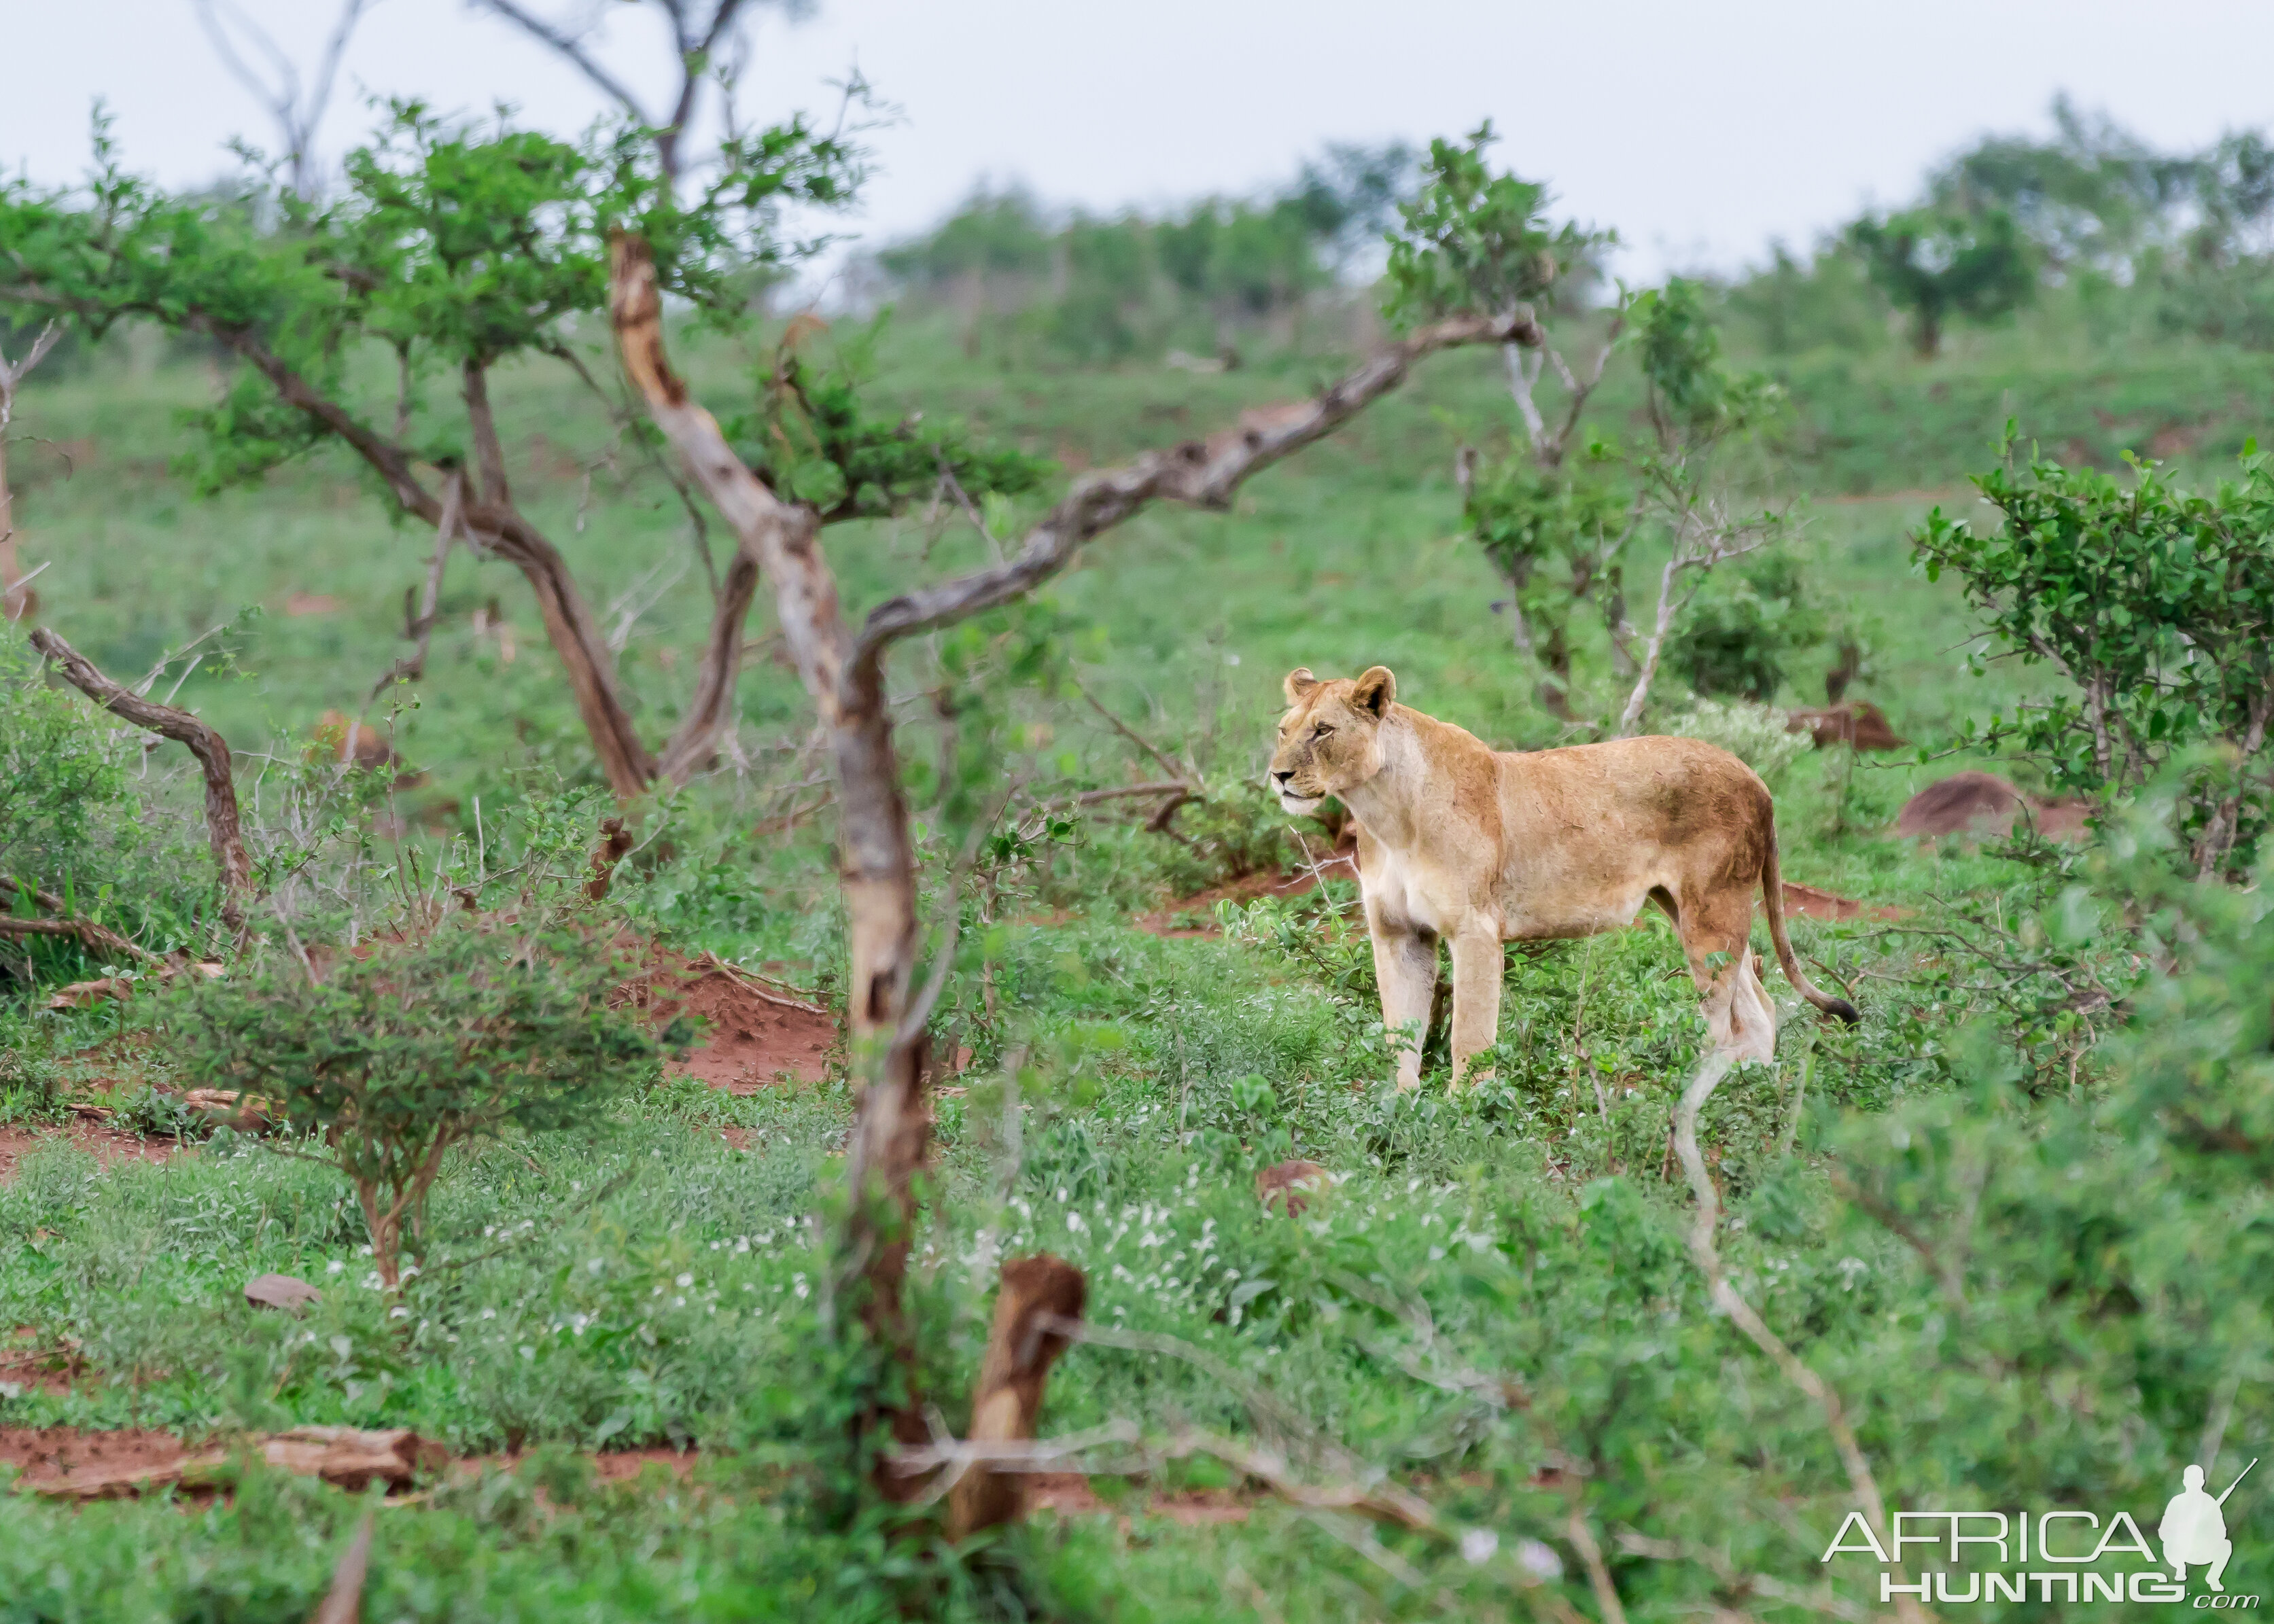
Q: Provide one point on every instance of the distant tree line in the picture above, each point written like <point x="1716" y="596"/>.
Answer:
<point x="2183" y="240"/>
<point x="1030" y="283"/>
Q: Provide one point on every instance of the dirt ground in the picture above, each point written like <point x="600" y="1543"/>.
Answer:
<point x="54" y="1458"/>
<point x="752" y="1035"/>
<point x="110" y="1145"/>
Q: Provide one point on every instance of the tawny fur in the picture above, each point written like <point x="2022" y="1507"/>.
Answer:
<point x="1476" y="847"/>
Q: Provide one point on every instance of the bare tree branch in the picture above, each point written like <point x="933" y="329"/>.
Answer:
<point x="17" y="600"/>
<point x="694" y="45"/>
<point x="569" y="625"/>
<point x="419" y="627"/>
<point x="296" y="115"/>
<point x="1732" y="1303"/>
<point x="697" y="739"/>
<point x="210" y="749"/>
<point x="489" y="453"/>
<point x="1183" y="778"/>
<point x="342" y="1602"/>
<point x="1201" y="473"/>
<point x="1700" y="544"/>
<point x="572" y="47"/>
<point x="94" y="936"/>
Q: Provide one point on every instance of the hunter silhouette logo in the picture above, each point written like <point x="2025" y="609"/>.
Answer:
<point x="2060" y="1554"/>
<point x="2193" y="1528"/>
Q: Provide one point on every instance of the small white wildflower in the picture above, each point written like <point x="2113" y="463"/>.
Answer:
<point x="1479" y="1544"/>
<point x="335" y="1267"/>
<point x="684" y="1280"/>
<point x="1539" y="1559"/>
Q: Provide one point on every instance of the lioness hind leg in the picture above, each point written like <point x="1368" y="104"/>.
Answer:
<point x="1739" y="1017"/>
<point x="1478" y="961"/>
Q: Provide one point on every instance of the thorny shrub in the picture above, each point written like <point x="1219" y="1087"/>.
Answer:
<point x="383" y="1063"/>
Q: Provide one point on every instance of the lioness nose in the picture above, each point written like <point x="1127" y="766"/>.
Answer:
<point x="1282" y="777"/>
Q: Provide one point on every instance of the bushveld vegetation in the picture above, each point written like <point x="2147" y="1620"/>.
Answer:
<point x="971" y="787"/>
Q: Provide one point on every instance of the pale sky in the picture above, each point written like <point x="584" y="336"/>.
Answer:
<point x="1699" y="129"/>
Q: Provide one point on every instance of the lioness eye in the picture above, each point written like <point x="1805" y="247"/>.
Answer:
<point x="1321" y="731"/>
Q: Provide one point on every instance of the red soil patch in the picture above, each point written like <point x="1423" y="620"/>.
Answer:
<point x="1341" y="865"/>
<point x="1859" y="724"/>
<point x="50" y="1456"/>
<point x="110" y="1145"/>
<point x="1984" y="806"/>
<point x="1069" y="1495"/>
<point x="752" y="1035"/>
<point x="70" y="1460"/>
<point x="25" y="1367"/>
<point x="1810" y="902"/>
<point x="623" y="1465"/>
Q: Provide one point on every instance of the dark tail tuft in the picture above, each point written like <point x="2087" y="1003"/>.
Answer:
<point x="1845" y="1010"/>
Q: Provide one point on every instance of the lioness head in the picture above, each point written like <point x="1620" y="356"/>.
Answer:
<point x="1330" y="741"/>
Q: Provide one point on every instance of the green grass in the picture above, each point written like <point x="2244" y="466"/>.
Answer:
<point x="1531" y="1233"/>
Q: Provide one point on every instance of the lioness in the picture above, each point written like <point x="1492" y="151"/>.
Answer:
<point x="1482" y="847"/>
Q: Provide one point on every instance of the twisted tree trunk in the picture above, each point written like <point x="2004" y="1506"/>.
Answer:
<point x="844" y="674"/>
<point x="223" y="829"/>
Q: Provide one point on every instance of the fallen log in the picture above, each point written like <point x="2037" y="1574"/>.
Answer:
<point x="343" y="1457"/>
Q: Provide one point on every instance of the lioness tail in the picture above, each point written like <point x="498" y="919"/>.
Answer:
<point x="1772" y="894"/>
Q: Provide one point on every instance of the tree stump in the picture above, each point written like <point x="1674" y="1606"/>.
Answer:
<point x="1008" y="1401"/>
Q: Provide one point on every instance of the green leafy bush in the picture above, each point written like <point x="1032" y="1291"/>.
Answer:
<point x="2157" y="604"/>
<point x="1743" y="628"/>
<point x="1474" y="242"/>
<point x="382" y="1064"/>
<point x="79" y="828"/>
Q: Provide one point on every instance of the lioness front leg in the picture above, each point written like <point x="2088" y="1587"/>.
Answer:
<point x="1479" y="962"/>
<point x="1406" y="967"/>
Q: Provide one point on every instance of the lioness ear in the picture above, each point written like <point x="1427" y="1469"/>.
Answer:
<point x="1374" y="690"/>
<point x="1300" y="682"/>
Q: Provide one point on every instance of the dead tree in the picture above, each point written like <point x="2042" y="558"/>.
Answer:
<point x="204" y="742"/>
<point x="296" y="109"/>
<point x="18" y="601"/>
<point x="698" y="43"/>
<point x="843" y="670"/>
